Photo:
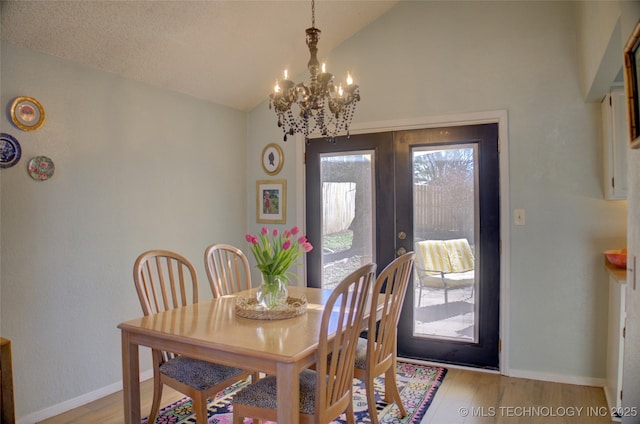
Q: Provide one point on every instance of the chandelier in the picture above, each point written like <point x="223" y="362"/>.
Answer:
<point x="320" y="106"/>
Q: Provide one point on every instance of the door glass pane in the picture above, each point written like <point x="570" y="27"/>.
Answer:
<point x="347" y="214"/>
<point x="445" y="205"/>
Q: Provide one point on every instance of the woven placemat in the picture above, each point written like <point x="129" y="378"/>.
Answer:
<point x="248" y="307"/>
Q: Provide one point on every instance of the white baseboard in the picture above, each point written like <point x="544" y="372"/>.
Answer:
<point x="531" y="375"/>
<point x="70" y="404"/>
<point x="558" y="378"/>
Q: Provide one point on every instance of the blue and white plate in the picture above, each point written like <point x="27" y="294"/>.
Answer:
<point x="10" y="151"/>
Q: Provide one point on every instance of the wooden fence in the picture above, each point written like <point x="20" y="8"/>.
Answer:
<point x="443" y="212"/>
<point x="339" y="200"/>
<point x="440" y="212"/>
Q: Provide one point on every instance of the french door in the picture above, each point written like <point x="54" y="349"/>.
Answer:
<point x="432" y="191"/>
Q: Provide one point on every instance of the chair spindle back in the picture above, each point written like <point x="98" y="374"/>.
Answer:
<point x="164" y="280"/>
<point x="227" y="269"/>
<point x="344" y="313"/>
<point x="392" y="283"/>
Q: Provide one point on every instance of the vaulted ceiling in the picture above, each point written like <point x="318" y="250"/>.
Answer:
<point x="225" y="51"/>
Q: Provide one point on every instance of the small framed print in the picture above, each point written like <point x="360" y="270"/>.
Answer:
<point x="271" y="201"/>
<point x="27" y="113"/>
<point x="272" y="159"/>
<point x="632" y="75"/>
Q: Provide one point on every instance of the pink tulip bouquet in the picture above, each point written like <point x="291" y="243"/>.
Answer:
<point x="276" y="252"/>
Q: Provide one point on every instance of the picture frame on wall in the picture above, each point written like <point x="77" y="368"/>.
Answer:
<point x="632" y="77"/>
<point x="271" y="201"/>
<point x="272" y="159"/>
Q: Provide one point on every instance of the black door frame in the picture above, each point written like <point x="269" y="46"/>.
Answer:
<point x="384" y="179"/>
<point x="485" y="352"/>
<point x="499" y="117"/>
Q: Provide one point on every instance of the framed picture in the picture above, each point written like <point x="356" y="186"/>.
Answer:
<point x="271" y="201"/>
<point x="632" y="76"/>
<point x="27" y="113"/>
<point x="272" y="159"/>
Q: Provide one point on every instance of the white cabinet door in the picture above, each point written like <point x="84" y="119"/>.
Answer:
<point x="616" y="143"/>
<point x="615" y="344"/>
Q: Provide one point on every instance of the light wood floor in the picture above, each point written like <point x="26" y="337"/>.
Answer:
<point x="488" y="398"/>
<point x="473" y="397"/>
<point x="110" y="409"/>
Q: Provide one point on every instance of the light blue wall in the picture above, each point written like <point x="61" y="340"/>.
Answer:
<point x="137" y="168"/>
<point x="426" y="59"/>
<point x="600" y="46"/>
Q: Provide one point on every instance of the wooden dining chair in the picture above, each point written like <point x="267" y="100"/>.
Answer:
<point x="376" y="354"/>
<point x="326" y="392"/>
<point x="166" y="280"/>
<point x="227" y="269"/>
<point x="228" y="272"/>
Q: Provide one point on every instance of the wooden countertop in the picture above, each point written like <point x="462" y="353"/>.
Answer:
<point x="618" y="273"/>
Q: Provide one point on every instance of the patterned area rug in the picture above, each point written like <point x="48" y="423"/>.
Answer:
<point x="417" y="384"/>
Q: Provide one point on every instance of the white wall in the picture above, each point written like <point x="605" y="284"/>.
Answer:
<point x="600" y="46"/>
<point x="630" y="15"/>
<point x="443" y="58"/>
<point x="137" y="168"/>
<point x="631" y="367"/>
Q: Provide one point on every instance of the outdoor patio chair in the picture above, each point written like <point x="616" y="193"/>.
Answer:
<point x="444" y="265"/>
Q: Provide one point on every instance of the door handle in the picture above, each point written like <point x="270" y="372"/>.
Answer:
<point x="401" y="251"/>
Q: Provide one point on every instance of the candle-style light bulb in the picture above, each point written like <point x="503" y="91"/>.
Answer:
<point x="340" y="91"/>
<point x="349" y="79"/>
<point x="276" y="89"/>
<point x="286" y="74"/>
<point x="324" y="68"/>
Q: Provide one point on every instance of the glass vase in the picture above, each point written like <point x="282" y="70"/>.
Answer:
<point x="273" y="291"/>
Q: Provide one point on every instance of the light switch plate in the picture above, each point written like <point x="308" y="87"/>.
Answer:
<point x="519" y="217"/>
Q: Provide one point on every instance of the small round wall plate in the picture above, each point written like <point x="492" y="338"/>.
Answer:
<point x="27" y="113"/>
<point x="41" y="168"/>
<point x="10" y="151"/>
<point x="272" y="159"/>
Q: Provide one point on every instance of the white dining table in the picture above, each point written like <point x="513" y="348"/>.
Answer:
<point x="211" y="331"/>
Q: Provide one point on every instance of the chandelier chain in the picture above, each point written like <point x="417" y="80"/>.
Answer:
<point x="313" y="13"/>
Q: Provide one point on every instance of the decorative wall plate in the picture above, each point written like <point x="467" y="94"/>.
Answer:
<point x="10" y="151"/>
<point x="272" y="159"/>
<point x="27" y="113"/>
<point x="41" y="168"/>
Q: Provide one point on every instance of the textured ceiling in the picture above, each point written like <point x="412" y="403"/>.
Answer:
<point x="228" y="52"/>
